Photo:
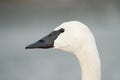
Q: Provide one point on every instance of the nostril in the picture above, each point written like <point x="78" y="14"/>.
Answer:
<point x="41" y="41"/>
<point x="49" y="35"/>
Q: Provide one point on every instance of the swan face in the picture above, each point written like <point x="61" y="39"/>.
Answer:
<point x="69" y="36"/>
<point x="74" y="36"/>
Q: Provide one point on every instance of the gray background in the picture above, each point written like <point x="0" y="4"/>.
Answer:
<point x="23" y="22"/>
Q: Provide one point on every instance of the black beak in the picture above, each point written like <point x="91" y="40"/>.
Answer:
<point x="47" y="41"/>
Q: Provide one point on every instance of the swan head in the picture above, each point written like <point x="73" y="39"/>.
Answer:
<point x="69" y="36"/>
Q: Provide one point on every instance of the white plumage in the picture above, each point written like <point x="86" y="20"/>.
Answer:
<point x="79" y="40"/>
<point x="76" y="38"/>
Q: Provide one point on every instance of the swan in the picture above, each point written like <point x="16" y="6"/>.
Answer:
<point x="76" y="38"/>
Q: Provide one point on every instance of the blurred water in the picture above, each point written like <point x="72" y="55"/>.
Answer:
<point x="22" y="23"/>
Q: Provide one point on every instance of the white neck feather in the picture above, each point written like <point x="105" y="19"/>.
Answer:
<point x="90" y="62"/>
<point x="78" y="39"/>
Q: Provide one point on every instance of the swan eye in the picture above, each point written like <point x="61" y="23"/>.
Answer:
<point x="62" y="30"/>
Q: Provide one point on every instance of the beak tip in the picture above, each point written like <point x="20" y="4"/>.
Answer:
<point x="28" y="47"/>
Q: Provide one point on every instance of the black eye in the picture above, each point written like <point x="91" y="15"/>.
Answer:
<point x="62" y="30"/>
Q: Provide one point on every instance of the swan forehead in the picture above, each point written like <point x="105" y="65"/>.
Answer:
<point x="72" y="26"/>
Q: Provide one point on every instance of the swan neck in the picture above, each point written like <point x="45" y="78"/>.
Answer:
<point x="90" y="63"/>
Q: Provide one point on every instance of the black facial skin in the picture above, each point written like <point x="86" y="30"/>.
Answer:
<point x="47" y="41"/>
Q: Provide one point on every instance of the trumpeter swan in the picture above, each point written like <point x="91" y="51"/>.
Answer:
<point x="76" y="38"/>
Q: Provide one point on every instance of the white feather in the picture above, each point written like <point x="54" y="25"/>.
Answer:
<point x="79" y="40"/>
